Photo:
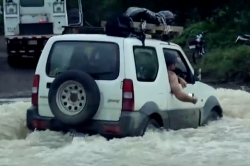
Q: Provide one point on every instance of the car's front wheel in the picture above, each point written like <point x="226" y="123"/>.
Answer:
<point x="213" y="116"/>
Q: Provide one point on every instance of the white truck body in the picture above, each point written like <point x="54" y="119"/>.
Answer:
<point x="28" y="24"/>
<point x="30" y="14"/>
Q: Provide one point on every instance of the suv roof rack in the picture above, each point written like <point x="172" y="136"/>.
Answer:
<point x="153" y="28"/>
<point x="83" y="30"/>
<point x="161" y="32"/>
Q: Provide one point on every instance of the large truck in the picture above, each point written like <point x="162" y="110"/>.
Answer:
<point x="28" y="24"/>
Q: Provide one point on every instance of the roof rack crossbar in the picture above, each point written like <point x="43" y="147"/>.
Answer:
<point x="165" y="29"/>
<point x="83" y="30"/>
<point x="161" y="32"/>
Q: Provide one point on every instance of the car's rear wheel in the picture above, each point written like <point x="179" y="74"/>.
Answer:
<point x="63" y="98"/>
<point x="151" y="125"/>
<point x="74" y="97"/>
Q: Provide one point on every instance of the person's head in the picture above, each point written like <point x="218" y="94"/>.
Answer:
<point x="171" y="60"/>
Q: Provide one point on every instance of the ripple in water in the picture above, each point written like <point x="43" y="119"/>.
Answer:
<point x="12" y="121"/>
<point x="222" y="143"/>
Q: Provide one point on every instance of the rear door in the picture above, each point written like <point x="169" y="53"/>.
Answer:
<point x="106" y="55"/>
<point x="150" y="78"/>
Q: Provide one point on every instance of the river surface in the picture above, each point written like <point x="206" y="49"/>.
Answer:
<point x="222" y="143"/>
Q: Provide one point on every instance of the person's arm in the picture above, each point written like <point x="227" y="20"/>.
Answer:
<point x="182" y="82"/>
<point x="174" y="84"/>
<point x="179" y="78"/>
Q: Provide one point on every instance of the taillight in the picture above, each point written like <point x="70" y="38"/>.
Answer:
<point x="42" y="21"/>
<point x="127" y="95"/>
<point x="38" y="124"/>
<point x="35" y="89"/>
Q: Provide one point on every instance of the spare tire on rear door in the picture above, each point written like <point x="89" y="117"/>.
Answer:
<point x="74" y="97"/>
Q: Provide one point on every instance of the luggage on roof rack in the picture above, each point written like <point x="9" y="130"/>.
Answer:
<point x="161" y="18"/>
<point x="137" y="14"/>
<point x="124" y="26"/>
<point x="119" y="26"/>
<point x="148" y="28"/>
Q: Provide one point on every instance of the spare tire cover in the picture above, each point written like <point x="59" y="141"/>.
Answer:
<point x="74" y="97"/>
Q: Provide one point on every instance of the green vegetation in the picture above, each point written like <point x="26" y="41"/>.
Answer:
<point x="223" y="20"/>
<point x="228" y="64"/>
<point x="225" y="60"/>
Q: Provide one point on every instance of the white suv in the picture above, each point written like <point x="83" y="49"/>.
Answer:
<point x="115" y="87"/>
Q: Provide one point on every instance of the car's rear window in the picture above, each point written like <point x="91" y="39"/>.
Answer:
<point x="99" y="59"/>
<point x="32" y="3"/>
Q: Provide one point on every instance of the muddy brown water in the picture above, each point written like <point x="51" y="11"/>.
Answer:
<point x="221" y="143"/>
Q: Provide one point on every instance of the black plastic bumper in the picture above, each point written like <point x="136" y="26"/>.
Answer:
<point x="130" y="124"/>
<point x="21" y="47"/>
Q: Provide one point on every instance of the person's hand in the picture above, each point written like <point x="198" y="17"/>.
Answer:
<point x="194" y="100"/>
<point x="182" y="82"/>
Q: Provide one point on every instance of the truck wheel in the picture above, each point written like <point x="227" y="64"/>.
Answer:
<point x="13" y="60"/>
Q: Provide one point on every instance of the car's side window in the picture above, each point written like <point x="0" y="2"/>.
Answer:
<point x="146" y="63"/>
<point x="182" y="68"/>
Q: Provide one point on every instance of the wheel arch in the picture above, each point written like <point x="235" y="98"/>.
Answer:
<point x="153" y="111"/>
<point x="157" y="118"/>
<point x="212" y="103"/>
<point x="218" y="109"/>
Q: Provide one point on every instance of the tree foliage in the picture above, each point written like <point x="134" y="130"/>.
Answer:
<point x="223" y="19"/>
<point x="187" y="11"/>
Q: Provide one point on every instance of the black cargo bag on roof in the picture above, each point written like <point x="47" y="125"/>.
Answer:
<point x="138" y="14"/>
<point x="119" y="26"/>
<point x="167" y="16"/>
<point x="164" y="17"/>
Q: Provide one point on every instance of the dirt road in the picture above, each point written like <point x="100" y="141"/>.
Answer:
<point x="15" y="82"/>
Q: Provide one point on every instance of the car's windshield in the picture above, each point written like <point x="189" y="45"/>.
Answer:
<point x="99" y="59"/>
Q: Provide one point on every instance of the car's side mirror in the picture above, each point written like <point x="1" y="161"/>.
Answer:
<point x="75" y="15"/>
<point x="198" y="78"/>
